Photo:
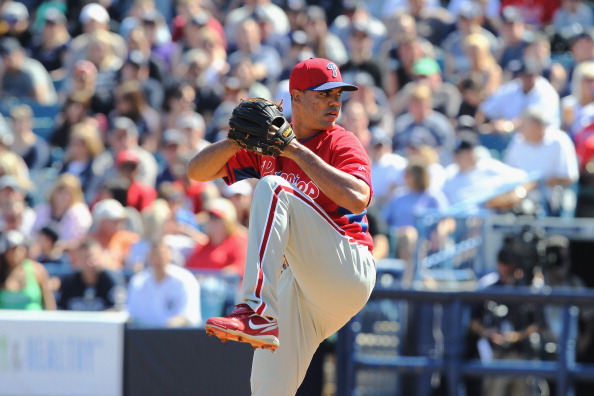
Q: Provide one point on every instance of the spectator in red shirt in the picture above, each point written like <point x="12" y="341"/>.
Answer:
<point x="226" y="248"/>
<point x="140" y="194"/>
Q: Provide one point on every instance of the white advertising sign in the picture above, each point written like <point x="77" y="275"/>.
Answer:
<point x="61" y="353"/>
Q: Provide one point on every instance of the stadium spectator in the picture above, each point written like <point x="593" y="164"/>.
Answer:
<point x="297" y="13"/>
<point x="83" y="83"/>
<point x="513" y="33"/>
<point x="134" y="19"/>
<point x="538" y="51"/>
<point x="356" y="11"/>
<point x="24" y="283"/>
<point x="237" y="16"/>
<point x="164" y="295"/>
<point x="400" y="50"/>
<point x="161" y="45"/>
<point x="423" y="125"/>
<point x="473" y="94"/>
<point x="13" y="195"/>
<point x="109" y="221"/>
<point x="100" y="53"/>
<point x="503" y="331"/>
<point x="137" y="68"/>
<point x="198" y="71"/>
<point x="544" y="148"/>
<point x="570" y="13"/>
<point x="34" y="150"/>
<point x="91" y="287"/>
<point x="269" y="37"/>
<point x="47" y="252"/>
<point x="226" y="247"/>
<point x="403" y="209"/>
<point x="537" y="14"/>
<point x="437" y="172"/>
<point x="194" y="12"/>
<point x="85" y="144"/>
<point x="66" y="207"/>
<point x="15" y="16"/>
<point x="50" y="46"/>
<point x="475" y="173"/>
<point x="193" y="127"/>
<point x="578" y="107"/>
<point x="179" y="205"/>
<point x="468" y="22"/>
<point x="124" y="136"/>
<point x="140" y="195"/>
<point x="500" y="112"/>
<point x="482" y="63"/>
<point x="581" y="47"/>
<point x="266" y="59"/>
<point x="179" y="101"/>
<point x="240" y="195"/>
<point x="374" y="100"/>
<point x="445" y="97"/>
<point x="322" y="42"/>
<point x="95" y="21"/>
<point x="160" y="225"/>
<point x="12" y="216"/>
<point x="22" y="77"/>
<point x="174" y="147"/>
<point x="130" y="102"/>
<point x="361" y="57"/>
<point x="75" y="111"/>
<point x="137" y="40"/>
<point x="557" y="274"/>
<point x="12" y="164"/>
<point x="386" y="168"/>
<point x="243" y="75"/>
<point x="433" y="21"/>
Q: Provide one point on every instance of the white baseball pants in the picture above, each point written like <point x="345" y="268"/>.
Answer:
<point x="329" y="280"/>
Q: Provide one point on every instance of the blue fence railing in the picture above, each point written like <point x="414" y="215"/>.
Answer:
<point x="371" y="349"/>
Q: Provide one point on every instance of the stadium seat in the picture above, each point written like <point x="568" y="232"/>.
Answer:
<point x="496" y="143"/>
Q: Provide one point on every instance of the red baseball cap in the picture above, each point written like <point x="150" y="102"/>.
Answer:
<point x="127" y="156"/>
<point x="317" y="74"/>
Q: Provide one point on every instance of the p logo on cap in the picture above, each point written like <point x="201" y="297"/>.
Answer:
<point x="317" y="74"/>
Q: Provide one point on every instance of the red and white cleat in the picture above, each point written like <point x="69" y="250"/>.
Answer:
<point x="244" y="325"/>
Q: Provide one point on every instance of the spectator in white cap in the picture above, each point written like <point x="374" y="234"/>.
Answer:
<point x="109" y="220"/>
<point x="93" y="18"/>
<point x="16" y="18"/>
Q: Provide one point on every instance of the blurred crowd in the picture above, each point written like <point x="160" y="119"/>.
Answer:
<point x="456" y="98"/>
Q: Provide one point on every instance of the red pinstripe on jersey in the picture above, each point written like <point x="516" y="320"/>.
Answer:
<point x="265" y="238"/>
